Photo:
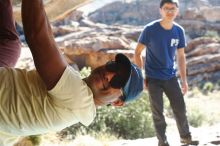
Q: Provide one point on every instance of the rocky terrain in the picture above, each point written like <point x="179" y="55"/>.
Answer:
<point x="207" y="136"/>
<point x="196" y="16"/>
<point x="91" y="41"/>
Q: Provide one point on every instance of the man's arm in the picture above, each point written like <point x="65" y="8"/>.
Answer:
<point x="49" y="63"/>
<point x="137" y="57"/>
<point x="181" y="60"/>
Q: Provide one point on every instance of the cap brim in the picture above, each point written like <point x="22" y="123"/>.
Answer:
<point x="125" y="65"/>
<point x="132" y="79"/>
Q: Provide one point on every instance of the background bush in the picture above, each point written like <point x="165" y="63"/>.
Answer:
<point x="131" y="121"/>
<point x="195" y="117"/>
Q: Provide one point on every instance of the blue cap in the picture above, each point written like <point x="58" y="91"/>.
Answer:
<point x="134" y="80"/>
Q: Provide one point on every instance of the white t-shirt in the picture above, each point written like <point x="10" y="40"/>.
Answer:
<point x="27" y="108"/>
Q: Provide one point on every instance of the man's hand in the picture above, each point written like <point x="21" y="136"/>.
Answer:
<point x="181" y="59"/>
<point x="145" y="83"/>
<point x="184" y="87"/>
<point x="137" y="56"/>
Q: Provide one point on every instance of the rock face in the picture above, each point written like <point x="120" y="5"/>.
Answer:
<point x="95" y="46"/>
<point x="133" y="13"/>
<point x="210" y="14"/>
<point x="88" y="43"/>
<point x="196" y="16"/>
<point x="94" y="49"/>
<point x="199" y="21"/>
<point x="203" y="60"/>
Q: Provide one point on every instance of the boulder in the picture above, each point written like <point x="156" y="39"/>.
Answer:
<point x="203" y="64"/>
<point x="212" y="48"/>
<point x="191" y="45"/>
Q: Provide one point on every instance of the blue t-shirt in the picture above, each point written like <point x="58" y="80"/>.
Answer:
<point x="161" y="46"/>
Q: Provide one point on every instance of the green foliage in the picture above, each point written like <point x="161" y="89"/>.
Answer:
<point x="132" y="121"/>
<point x="35" y="139"/>
<point x="212" y="34"/>
<point x="218" y="85"/>
<point x="195" y="91"/>
<point x="218" y="82"/>
<point x="129" y="122"/>
<point x="207" y="87"/>
<point x="15" y="2"/>
<point x="85" y="72"/>
<point x="195" y="117"/>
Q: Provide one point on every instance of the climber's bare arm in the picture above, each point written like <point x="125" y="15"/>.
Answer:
<point x="49" y="63"/>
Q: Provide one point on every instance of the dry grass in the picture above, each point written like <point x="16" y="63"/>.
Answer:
<point x="202" y="109"/>
<point x="81" y="140"/>
<point x="206" y="104"/>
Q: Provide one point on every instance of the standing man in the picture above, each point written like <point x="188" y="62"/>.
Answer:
<point x="163" y="38"/>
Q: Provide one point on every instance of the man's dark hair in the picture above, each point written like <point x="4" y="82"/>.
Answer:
<point x="162" y="2"/>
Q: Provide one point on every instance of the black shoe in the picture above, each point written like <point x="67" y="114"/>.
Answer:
<point x="189" y="141"/>
<point x="164" y="143"/>
<point x="186" y="140"/>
